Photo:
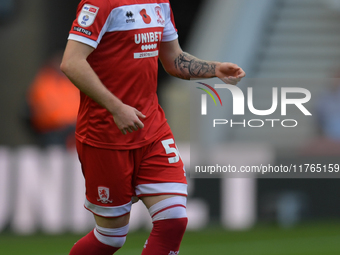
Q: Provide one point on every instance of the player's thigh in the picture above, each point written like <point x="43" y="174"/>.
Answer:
<point x="152" y="200"/>
<point x="117" y="222"/>
<point x="108" y="179"/>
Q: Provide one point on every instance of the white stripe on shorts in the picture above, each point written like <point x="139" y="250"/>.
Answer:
<point x="162" y="188"/>
<point x="108" y="211"/>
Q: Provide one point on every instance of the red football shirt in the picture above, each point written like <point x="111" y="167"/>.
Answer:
<point x="126" y="35"/>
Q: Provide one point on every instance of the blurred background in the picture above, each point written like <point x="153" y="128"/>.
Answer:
<point x="41" y="186"/>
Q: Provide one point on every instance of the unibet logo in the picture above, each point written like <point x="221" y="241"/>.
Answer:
<point x="148" y="37"/>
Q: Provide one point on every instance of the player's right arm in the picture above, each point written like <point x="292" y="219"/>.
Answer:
<point x="78" y="70"/>
<point x="185" y="66"/>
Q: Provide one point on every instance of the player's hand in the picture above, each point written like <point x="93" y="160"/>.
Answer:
<point x="229" y="73"/>
<point x="127" y="119"/>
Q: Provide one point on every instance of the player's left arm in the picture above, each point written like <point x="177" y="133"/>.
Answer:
<point x="185" y="66"/>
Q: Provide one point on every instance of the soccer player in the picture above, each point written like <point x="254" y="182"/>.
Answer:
<point x="124" y="142"/>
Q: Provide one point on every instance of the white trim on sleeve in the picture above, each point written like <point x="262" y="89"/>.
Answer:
<point x="83" y="39"/>
<point x="169" y="38"/>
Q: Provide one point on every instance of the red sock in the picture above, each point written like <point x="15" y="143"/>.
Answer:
<point x="89" y="245"/>
<point x="165" y="237"/>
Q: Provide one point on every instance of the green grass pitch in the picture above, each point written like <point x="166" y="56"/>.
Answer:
<point x="306" y="239"/>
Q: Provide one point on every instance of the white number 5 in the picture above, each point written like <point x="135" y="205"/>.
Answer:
<point x="169" y="150"/>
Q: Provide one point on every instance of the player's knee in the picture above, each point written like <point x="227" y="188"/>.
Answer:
<point x="114" y="237"/>
<point x="171" y="210"/>
<point x="172" y="227"/>
<point x="181" y="224"/>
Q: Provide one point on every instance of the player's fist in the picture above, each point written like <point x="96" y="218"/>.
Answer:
<point x="127" y="119"/>
<point x="229" y="73"/>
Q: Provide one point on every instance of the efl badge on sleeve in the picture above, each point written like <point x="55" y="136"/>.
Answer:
<point x="87" y="15"/>
<point x="104" y="195"/>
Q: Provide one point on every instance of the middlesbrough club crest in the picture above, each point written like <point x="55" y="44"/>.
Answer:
<point x="104" y="195"/>
<point x="159" y="14"/>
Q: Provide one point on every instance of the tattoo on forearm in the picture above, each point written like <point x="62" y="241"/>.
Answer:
<point x="191" y="67"/>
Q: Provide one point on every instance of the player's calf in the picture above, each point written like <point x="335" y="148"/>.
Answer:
<point x="101" y="241"/>
<point x="169" y="220"/>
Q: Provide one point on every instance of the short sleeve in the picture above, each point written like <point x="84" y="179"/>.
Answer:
<point x="91" y="22"/>
<point x="170" y="31"/>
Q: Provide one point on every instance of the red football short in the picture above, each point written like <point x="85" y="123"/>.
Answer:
<point x="112" y="177"/>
